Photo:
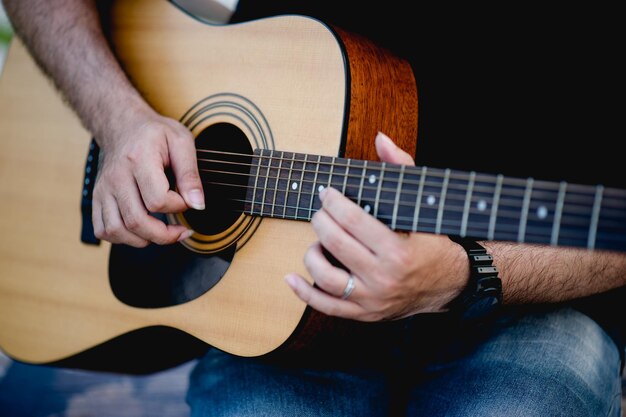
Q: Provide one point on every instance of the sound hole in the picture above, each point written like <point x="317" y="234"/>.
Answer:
<point x="161" y="276"/>
<point x="224" y="158"/>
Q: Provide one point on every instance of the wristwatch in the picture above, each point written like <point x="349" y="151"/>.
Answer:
<point x="482" y="295"/>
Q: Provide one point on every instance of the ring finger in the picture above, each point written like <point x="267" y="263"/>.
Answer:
<point x="327" y="277"/>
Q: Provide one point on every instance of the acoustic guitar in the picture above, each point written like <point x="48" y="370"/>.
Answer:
<point x="281" y="108"/>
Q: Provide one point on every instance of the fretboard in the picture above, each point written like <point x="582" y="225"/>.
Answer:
<point x="408" y="198"/>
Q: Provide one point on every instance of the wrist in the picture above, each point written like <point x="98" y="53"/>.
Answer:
<point x="124" y="114"/>
<point x="482" y="293"/>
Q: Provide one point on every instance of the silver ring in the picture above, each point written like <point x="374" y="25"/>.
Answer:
<point x="349" y="288"/>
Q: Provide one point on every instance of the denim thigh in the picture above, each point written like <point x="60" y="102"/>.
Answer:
<point x="552" y="362"/>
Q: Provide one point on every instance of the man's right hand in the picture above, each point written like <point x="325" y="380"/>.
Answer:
<point x="137" y="144"/>
<point x="132" y="183"/>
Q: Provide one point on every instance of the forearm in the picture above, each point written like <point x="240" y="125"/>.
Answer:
<point x="546" y="274"/>
<point x="66" y="39"/>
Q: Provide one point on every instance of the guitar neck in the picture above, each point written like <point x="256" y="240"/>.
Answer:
<point x="442" y="201"/>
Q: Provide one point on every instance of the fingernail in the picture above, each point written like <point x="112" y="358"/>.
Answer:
<point x="196" y="199"/>
<point x="322" y="194"/>
<point x="185" y="235"/>
<point x="291" y="281"/>
<point x="385" y="138"/>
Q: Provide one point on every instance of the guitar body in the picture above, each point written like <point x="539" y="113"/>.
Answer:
<point x="288" y="83"/>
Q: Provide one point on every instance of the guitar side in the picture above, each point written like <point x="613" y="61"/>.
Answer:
<point x="55" y="299"/>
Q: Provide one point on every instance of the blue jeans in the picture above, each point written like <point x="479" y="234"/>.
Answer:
<point x="555" y="362"/>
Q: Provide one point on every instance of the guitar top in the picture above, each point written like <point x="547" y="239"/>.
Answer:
<point x="280" y="108"/>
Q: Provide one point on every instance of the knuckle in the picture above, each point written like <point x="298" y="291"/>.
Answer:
<point x="375" y="317"/>
<point x="155" y="204"/>
<point x="400" y="256"/>
<point x="133" y="222"/>
<point x="113" y="232"/>
<point x="99" y="232"/>
<point x="315" y="219"/>
<point x="163" y="240"/>
<point x="133" y="156"/>
<point x="322" y="281"/>
<point x="333" y="243"/>
<point x="153" y="129"/>
<point x="182" y="132"/>
<point x="308" y="258"/>
<point x="351" y="218"/>
<point x="190" y="176"/>
<point x="333" y="310"/>
<point x="387" y="286"/>
<point x="140" y="244"/>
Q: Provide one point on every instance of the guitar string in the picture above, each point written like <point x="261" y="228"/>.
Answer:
<point x="288" y="178"/>
<point x="506" y="229"/>
<point x="432" y="171"/>
<point x="587" y="191"/>
<point x="608" y="213"/>
<point x="486" y="199"/>
<point x="504" y="202"/>
<point x="537" y="195"/>
<point x="566" y="219"/>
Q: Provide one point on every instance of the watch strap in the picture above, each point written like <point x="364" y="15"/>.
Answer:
<point x="483" y="292"/>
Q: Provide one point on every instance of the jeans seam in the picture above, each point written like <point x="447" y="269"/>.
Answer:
<point x="617" y="400"/>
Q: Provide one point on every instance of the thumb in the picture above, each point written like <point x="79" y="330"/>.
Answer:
<point x="184" y="164"/>
<point x="389" y="152"/>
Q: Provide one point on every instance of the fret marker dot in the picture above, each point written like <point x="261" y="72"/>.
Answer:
<point x="431" y="200"/>
<point x="367" y="208"/>
<point x="481" y="205"/>
<point x="372" y="179"/>
<point x="542" y="212"/>
<point x="320" y="188"/>
<point x="294" y="186"/>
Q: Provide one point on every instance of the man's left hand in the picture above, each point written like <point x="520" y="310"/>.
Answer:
<point x="395" y="274"/>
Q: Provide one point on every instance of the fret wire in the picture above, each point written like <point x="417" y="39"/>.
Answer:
<point x="479" y="175"/>
<point x="442" y="201"/>
<point x="396" y="202"/>
<point x="288" y="185"/>
<point x="280" y="163"/>
<point x="265" y="188"/>
<point x="556" y="225"/>
<point x="501" y="201"/>
<point x="317" y="166"/>
<point x="536" y="192"/>
<point x="511" y="180"/>
<point x="418" y="199"/>
<point x="618" y="215"/>
<point x="256" y="184"/>
<point x="362" y="181"/>
<point x="345" y="178"/>
<point x="468" y="203"/>
<point x="509" y="230"/>
<point x="525" y="206"/>
<point x="380" y="184"/>
<point x="511" y="214"/>
<point x="494" y="207"/>
<point x="595" y="215"/>
<point x="332" y="170"/>
<point x="300" y="186"/>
